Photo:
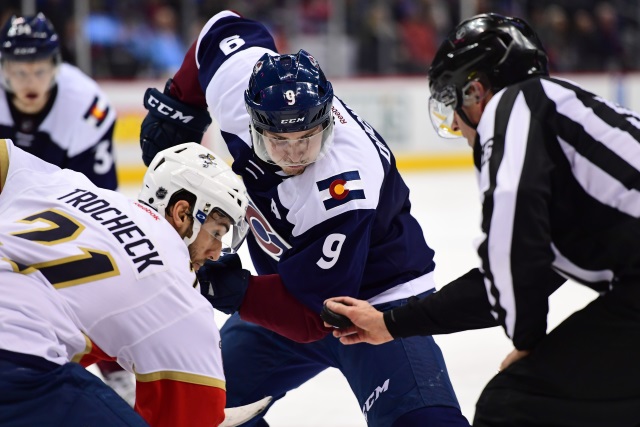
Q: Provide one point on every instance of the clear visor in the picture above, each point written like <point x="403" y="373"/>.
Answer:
<point x="442" y="106"/>
<point x="219" y="227"/>
<point x="282" y="151"/>
<point x="442" y="116"/>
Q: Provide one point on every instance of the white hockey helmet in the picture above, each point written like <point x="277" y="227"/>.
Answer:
<point x="196" y="169"/>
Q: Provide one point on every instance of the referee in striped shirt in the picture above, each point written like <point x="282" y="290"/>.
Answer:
<point x="559" y="176"/>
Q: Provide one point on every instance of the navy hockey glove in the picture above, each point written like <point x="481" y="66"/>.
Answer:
<point x="169" y="122"/>
<point x="224" y="282"/>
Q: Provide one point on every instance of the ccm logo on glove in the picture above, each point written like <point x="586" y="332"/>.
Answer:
<point x="168" y="111"/>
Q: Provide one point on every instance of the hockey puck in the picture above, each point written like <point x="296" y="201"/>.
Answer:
<point x="334" y="319"/>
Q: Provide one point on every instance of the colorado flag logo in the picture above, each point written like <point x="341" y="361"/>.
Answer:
<point x="340" y="189"/>
<point x="97" y="112"/>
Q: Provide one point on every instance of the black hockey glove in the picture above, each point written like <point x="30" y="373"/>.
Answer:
<point x="169" y="122"/>
<point x="224" y="282"/>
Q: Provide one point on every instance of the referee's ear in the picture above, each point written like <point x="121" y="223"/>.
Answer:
<point x="476" y="93"/>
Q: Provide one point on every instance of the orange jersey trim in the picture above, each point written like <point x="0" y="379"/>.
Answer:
<point x="91" y="354"/>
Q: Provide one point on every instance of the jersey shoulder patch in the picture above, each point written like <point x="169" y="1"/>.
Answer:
<point x="81" y="114"/>
<point x="340" y="189"/>
<point x="97" y="112"/>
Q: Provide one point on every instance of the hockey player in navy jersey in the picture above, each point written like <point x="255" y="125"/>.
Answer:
<point x="52" y="109"/>
<point x="329" y="215"/>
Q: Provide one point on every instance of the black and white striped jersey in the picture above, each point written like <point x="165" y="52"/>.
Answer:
<point x="559" y="179"/>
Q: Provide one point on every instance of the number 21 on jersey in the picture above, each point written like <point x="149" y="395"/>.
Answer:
<point x="90" y="265"/>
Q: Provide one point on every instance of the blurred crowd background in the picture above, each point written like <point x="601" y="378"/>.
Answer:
<point x="133" y="39"/>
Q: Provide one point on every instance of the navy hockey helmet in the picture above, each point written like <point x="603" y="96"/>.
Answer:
<point x="29" y="38"/>
<point x="503" y="50"/>
<point x="289" y="93"/>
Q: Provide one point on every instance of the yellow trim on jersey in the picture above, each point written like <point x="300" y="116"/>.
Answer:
<point x="88" y="348"/>
<point x="52" y="226"/>
<point x="183" y="377"/>
<point x="4" y="162"/>
<point x="87" y="253"/>
<point x="16" y="268"/>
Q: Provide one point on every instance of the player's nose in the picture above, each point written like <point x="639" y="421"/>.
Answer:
<point x="296" y="151"/>
<point x="214" y="251"/>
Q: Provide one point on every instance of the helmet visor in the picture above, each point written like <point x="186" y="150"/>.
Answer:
<point x="442" y="119"/>
<point x="278" y="149"/>
<point x="219" y="227"/>
<point x="442" y="105"/>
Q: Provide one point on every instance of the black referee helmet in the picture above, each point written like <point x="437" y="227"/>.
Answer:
<point x="496" y="49"/>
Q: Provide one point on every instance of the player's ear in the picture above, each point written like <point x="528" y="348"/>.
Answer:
<point x="181" y="211"/>
<point x="178" y="213"/>
<point x="180" y="217"/>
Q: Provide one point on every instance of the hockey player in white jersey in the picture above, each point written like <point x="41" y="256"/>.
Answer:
<point x="52" y="109"/>
<point x="86" y="273"/>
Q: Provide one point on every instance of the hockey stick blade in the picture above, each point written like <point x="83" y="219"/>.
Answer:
<point x="241" y="414"/>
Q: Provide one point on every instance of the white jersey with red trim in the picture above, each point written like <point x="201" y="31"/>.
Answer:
<point x="77" y="260"/>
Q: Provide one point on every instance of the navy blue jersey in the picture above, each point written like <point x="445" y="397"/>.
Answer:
<point x="342" y="227"/>
<point x="73" y="131"/>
